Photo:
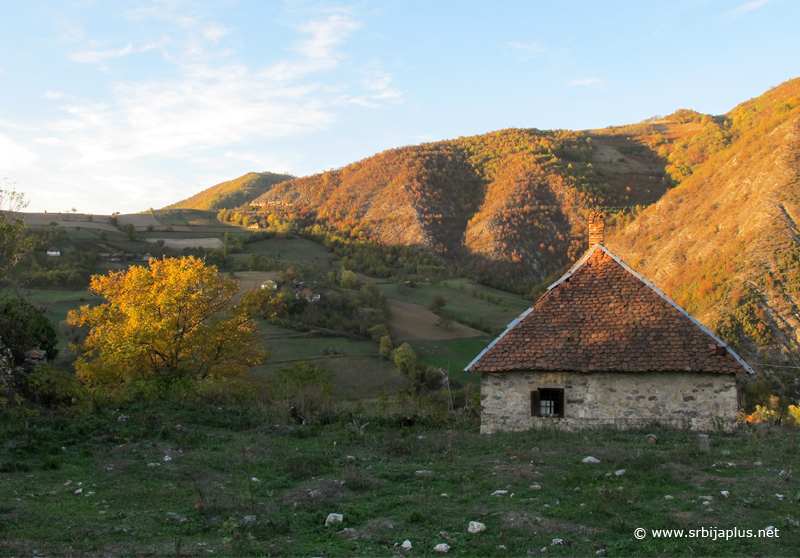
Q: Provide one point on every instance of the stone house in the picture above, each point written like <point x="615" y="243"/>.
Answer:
<point x="604" y="346"/>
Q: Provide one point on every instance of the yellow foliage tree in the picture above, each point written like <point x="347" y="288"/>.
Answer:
<point x="173" y="318"/>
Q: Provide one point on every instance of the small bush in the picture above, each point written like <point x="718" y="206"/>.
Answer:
<point x="51" y="387"/>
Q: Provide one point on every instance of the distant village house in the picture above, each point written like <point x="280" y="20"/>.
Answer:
<point x="604" y="346"/>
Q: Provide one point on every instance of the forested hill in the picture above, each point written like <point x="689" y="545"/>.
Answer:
<point x="509" y="205"/>
<point x="724" y="242"/>
<point x="232" y="193"/>
<point x="706" y="206"/>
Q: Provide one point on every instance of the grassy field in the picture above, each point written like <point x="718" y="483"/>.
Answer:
<point x="359" y="371"/>
<point x="461" y="304"/>
<point x="171" y="480"/>
<point x="295" y="248"/>
<point x="453" y="354"/>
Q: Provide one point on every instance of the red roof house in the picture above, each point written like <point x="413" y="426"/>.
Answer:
<point x="604" y="346"/>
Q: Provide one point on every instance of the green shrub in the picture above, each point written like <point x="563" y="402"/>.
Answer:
<point x="24" y="327"/>
<point x="52" y="387"/>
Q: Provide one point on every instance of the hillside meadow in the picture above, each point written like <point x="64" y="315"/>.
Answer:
<point x="170" y="479"/>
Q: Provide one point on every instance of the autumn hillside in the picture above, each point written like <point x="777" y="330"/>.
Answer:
<point x="509" y="205"/>
<point x="232" y="193"/>
<point x="724" y="242"/>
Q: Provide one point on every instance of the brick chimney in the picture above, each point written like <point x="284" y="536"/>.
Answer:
<point x="597" y="228"/>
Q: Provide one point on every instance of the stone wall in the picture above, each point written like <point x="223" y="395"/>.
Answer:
<point x="700" y="401"/>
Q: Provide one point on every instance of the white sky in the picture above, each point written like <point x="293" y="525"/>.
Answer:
<point x="124" y="105"/>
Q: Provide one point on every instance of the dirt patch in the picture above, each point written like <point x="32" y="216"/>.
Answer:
<point x="181" y="243"/>
<point x="411" y="321"/>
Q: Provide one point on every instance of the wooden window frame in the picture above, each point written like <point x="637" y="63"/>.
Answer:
<point x="559" y="401"/>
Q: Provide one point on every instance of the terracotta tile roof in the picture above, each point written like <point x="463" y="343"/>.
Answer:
<point x="603" y="316"/>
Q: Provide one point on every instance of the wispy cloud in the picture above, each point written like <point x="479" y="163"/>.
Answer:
<point x="100" y="57"/>
<point x="216" y="32"/>
<point x="527" y="51"/>
<point x="14" y="155"/>
<point x="745" y="8"/>
<point x="53" y="94"/>
<point x="586" y="81"/>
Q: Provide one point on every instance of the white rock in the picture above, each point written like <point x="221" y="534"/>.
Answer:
<point x="249" y="519"/>
<point x="725" y="493"/>
<point x="255" y="479"/>
<point x="770" y="528"/>
<point x="557" y="542"/>
<point x="706" y="503"/>
<point x="590" y="459"/>
<point x="544" y="549"/>
<point x="780" y="496"/>
<point x="423" y="473"/>
<point x="442" y="547"/>
<point x="68" y="483"/>
<point x="445" y="495"/>
<point x="757" y="464"/>
<point x="476" y="527"/>
<point x="174" y="515"/>
<point x="499" y="492"/>
<point x="501" y="547"/>
<point x="620" y="472"/>
<point x="334" y="518"/>
<point x="167" y="458"/>
<point x="535" y="487"/>
<point x="406" y="544"/>
<point x="783" y="473"/>
<point x="668" y="497"/>
<point x="78" y="491"/>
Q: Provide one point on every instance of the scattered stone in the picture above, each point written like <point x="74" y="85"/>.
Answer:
<point x="175" y="516"/>
<point x="783" y="473"/>
<point x="780" y="496"/>
<point x="88" y="494"/>
<point x="445" y="535"/>
<point x="706" y="497"/>
<point x="78" y="491"/>
<point x="314" y="493"/>
<point x="668" y="497"/>
<point x="502" y="547"/>
<point x="499" y="492"/>
<point x="577" y="489"/>
<point x="122" y="418"/>
<point x="544" y="549"/>
<point x="651" y="439"/>
<point x="351" y="457"/>
<point x="476" y="527"/>
<point x="726" y="452"/>
<point x="349" y="532"/>
<point x="725" y="493"/>
<point x="558" y="542"/>
<point x="334" y="518"/>
<point x="68" y="483"/>
<point x="420" y="437"/>
<point x="770" y="528"/>
<point x="705" y="446"/>
<point x="102" y="512"/>
<point x="706" y="503"/>
<point x="536" y="487"/>
<point x="442" y="547"/>
<point x="620" y="472"/>
<point x="445" y="495"/>
<point x="406" y="544"/>
<point x="255" y="479"/>
<point x="423" y="473"/>
<point x="249" y="519"/>
<point x="583" y="505"/>
<point x="621" y="488"/>
<point x="167" y="458"/>
<point x="154" y="464"/>
<point x="757" y="464"/>
<point x="590" y="459"/>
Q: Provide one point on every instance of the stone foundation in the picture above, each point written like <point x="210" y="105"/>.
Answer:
<point x="701" y="401"/>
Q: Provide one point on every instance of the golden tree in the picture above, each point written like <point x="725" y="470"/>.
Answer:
<point x="173" y="318"/>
